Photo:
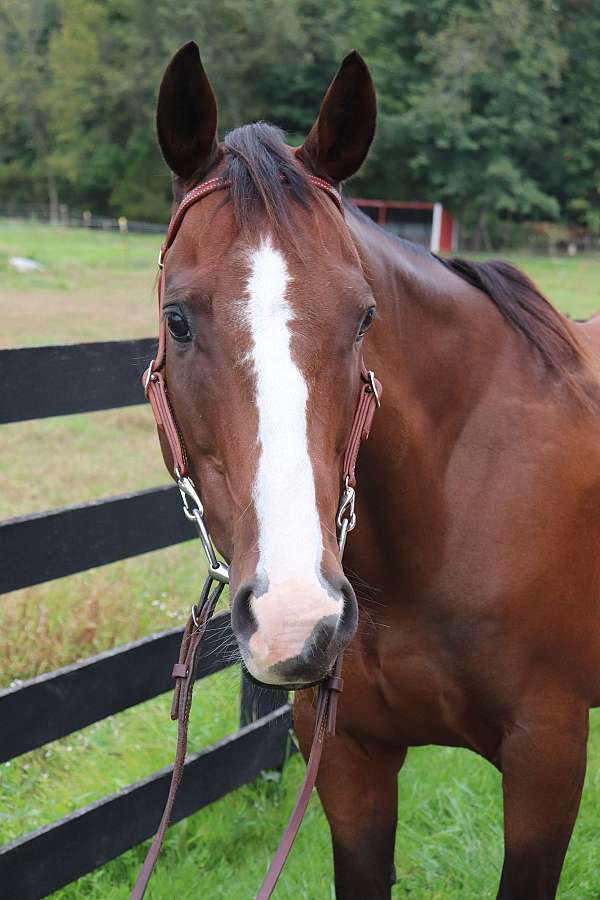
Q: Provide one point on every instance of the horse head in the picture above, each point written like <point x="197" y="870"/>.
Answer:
<point x="266" y="304"/>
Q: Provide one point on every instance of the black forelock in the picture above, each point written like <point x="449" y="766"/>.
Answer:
<point x="264" y="175"/>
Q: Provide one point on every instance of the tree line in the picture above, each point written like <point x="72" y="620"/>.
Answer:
<point x="491" y="106"/>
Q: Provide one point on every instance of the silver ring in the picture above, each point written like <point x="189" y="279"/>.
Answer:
<point x="149" y="375"/>
<point x="374" y="387"/>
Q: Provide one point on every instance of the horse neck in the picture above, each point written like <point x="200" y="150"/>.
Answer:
<point x="436" y="335"/>
<point x="433" y="348"/>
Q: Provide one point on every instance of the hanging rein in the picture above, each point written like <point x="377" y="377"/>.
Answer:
<point x="184" y="670"/>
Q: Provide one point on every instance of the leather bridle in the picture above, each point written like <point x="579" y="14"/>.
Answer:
<point x="184" y="670"/>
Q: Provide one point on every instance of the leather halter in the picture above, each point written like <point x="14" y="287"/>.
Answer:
<point x="184" y="670"/>
<point x="154" y="379"/>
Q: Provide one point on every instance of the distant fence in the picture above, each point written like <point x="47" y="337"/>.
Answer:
<point x="52" y="381"/>
<point x="76" y="218"/>
<point x="413" y="220"/>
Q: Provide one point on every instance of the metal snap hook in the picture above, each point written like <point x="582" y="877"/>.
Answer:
<point x="346" y="517"/>
<point x="346" y="503"/>
<point x="217" y="570"/>
<point x="187" y="489"/>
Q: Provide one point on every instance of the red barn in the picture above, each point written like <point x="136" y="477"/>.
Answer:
<point x="428" y="224"/>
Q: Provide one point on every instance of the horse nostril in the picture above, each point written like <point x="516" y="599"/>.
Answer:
<point x="243" y="621"/>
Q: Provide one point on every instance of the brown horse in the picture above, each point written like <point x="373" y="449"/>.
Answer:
<point x="476" y="557"/>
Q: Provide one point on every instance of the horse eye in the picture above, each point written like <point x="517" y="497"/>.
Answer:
<point x="178" y="326"/>
<point x="366" y="323"/>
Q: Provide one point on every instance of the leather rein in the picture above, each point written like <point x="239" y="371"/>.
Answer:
<point x="184" y="670"/>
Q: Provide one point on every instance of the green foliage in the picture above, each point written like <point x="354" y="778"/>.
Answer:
<point x="25" y="139"/>
<point x="576" y="166"/>
<point x="493" y="108"/>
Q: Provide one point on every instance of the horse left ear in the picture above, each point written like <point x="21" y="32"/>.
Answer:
<point x="340" y="138"/>
<point x="186" y="114"/>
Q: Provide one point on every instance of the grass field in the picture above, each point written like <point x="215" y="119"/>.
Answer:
<point x="100" y="286"/>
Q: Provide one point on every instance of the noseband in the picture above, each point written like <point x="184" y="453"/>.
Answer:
<point x="184" y="671"/>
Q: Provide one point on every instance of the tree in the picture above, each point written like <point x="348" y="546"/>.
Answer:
<point x="575" y="174"/>
<point x="26" y="161"/>
<point x="492" y="107"/>
<point x="477" y="117"/>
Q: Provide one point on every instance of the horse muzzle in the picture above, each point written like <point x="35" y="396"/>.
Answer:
<point x="290" y="634"/>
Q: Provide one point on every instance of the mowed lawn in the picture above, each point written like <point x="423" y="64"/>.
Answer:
<point x="100" y="286"/>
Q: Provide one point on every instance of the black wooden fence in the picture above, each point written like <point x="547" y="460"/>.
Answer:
<point x="51" y="381"/>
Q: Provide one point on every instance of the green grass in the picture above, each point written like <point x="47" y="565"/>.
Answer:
<point x="67" y="253"/>
<point x="96" y="286"/>
<point x="449" y="844"/>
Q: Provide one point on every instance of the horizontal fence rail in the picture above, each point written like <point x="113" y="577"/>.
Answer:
<point x="39" y="382"/>
<point x="52" y="381"/>
<point x="45" y="860"/>
<point x="40" y="213"/>
<point x="49" y="545"/>
<point x="54" y="705"/>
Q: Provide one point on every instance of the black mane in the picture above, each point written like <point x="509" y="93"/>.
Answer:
<point x="525" y="307"/>
<point x="264" y="174"/>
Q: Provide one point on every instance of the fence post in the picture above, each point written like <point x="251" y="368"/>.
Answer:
<point x="257" y="701"/>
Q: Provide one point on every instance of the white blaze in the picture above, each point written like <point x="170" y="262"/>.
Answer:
<point x="290" y="540"/>
<point x="289" y="530"/>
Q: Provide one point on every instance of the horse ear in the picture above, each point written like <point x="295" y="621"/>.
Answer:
<point x="340" y="138"/>
<point x="186" y="114"/>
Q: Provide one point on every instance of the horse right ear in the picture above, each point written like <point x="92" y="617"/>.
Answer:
<point x="186" y="115"/>
<point x="340" y="138"/>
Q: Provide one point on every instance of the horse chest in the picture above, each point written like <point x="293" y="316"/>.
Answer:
<point x="411" y="688"/>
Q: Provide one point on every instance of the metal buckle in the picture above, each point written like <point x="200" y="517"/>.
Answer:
<point x="373" y="386"/>
<point x="161" y="256"/>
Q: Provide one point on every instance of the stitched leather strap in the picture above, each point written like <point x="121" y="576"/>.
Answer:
<point x="325" y="720"/>
<point x="185" y="676"/>
<point x="184" y="668"/>
<point x="369" y="399"/>
<point x="185" y="673"/>
<point x="156" y="392"/>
